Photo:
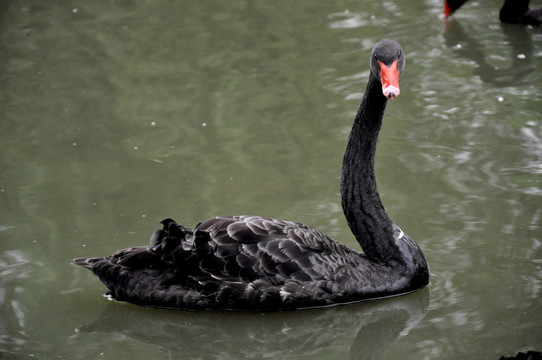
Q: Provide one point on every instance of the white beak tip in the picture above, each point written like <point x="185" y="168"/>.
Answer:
<point x="391" y="92"/>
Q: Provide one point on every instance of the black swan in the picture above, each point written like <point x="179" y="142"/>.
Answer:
<point x="529" y="355"/>
<point x="512" y="11"/>
<point x="261" y="264"/>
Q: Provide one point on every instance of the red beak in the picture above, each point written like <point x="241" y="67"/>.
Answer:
<point x="389" y="76"/>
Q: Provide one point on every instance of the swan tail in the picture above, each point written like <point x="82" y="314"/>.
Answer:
<point x="163" y="244"/>
<point x="86" y="262"/>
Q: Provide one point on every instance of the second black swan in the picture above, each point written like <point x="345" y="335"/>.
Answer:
<point x="512" y="11"/>
<point x="262" y="264"/>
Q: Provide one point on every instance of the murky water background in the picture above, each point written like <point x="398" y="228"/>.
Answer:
<point x="115" y="115"/>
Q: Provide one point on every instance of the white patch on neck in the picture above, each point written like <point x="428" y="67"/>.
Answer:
<point x="401" y="234"/>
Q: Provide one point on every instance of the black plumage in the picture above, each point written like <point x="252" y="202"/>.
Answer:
<point x="512" y="11"/>
<point x="257" y="263"/>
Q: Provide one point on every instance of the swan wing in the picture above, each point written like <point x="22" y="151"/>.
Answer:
<point x="235" y="262"/>
<point x="246" y="248"/>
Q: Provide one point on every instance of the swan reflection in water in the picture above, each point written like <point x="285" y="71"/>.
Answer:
<point x="517" y="38"/>
<point x="370" y="327"/>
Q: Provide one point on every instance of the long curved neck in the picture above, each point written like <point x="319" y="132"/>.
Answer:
<point x="512" y="11"/>
<point x="366" y="216"/>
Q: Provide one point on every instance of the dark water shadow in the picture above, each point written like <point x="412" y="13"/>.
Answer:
<point x="519" y="40"/>
<point x="370" y="328"/>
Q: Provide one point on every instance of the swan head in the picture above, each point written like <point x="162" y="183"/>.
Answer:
<point x="387" y="65"/>
<point x="450" y="6"/>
